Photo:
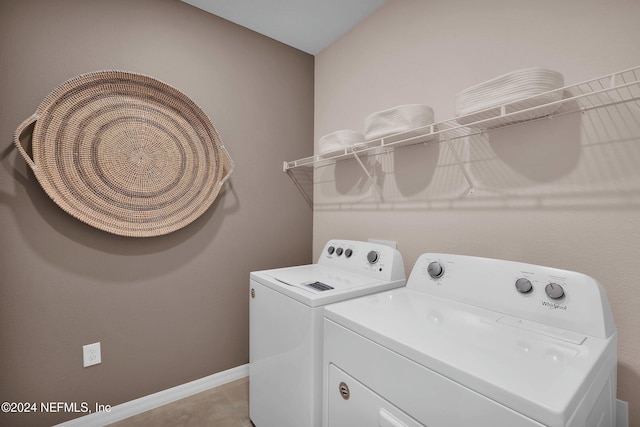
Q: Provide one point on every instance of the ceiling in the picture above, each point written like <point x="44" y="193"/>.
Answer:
<point x="308" y="25"/>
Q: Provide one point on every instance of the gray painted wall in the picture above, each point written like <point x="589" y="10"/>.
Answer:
<point x="171" y="309"/>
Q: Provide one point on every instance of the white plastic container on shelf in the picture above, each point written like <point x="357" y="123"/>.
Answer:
<point x="399" y="120"/>
<point x="335" y="142"/>
<point x="518" y="90"/>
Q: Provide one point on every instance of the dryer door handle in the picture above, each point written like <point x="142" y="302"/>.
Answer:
<point x="385" y="419"/>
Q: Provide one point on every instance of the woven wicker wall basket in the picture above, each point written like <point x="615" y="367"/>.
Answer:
<point x="126" y="153"/>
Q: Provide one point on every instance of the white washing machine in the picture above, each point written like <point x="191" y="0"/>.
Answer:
<point x="473" y="342"/>
<point x="286" y="325"/>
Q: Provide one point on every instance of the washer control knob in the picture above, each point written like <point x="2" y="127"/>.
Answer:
<point x="339" y="251"/>
<point x="348" y="253"/>
<point x="435" y="270"/>
<point x="554" y="291"/>
<point x="524" y="286"/>
<point x="373" y="257"/>
<point x="331" y="249"/>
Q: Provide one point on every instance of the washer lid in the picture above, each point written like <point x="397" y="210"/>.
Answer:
<point x="317" y="285"/>
<point x="535" y="374"/>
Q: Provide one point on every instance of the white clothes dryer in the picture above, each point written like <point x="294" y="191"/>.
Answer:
<point x="473" y="342"/>
<point x="286" y="326"/>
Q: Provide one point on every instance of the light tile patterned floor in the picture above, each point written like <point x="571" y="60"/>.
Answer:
<point x="224" y="406"/>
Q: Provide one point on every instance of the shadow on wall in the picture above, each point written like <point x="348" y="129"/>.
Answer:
<point x="349" y="180"/>
<point x="128" y="249"/>
<point x="303" y="179"/>
<point x="406" y="162"/>
<point x="527" y="157"/>
<point x="587" y="159"/>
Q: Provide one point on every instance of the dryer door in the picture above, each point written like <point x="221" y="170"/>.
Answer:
<point x="352" y="404"/>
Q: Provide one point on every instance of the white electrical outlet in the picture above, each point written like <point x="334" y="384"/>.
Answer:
<point x="91" y="354"/>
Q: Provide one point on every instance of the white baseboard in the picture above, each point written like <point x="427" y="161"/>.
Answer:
<point x="145" y="403"/>
<point x="622" y="414"/>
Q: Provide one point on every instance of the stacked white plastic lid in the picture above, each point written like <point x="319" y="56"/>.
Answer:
<point x="397" y="125"/>
<point x="397" y="121"/>
<point x="336" y="142"/>
<point x="519" y="90"/>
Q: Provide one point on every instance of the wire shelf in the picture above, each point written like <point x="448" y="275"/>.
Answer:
<point x="611" y="89"/>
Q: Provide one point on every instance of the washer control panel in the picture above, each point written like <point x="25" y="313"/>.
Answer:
<point x="371" y="259"/>
<point x="551" y="296"/>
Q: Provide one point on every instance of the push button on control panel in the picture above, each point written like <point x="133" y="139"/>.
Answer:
<point x="339" y="251"/>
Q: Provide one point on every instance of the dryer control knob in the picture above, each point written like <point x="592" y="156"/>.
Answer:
<point x="523" y="285"/>
<point x="373" y="257"/>
<point x="435" y="270"/>
<point x="339" y="251"/>
<point x="331" y="249"/>
<point x="554" y="291"/>
<point x="348" y="253"/>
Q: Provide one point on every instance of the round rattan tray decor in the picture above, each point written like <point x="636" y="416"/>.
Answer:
<point x="126" y="153"/>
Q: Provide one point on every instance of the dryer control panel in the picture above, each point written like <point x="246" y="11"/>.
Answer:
<point x="530" y="293"/>
<point x="369" y="259"/>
